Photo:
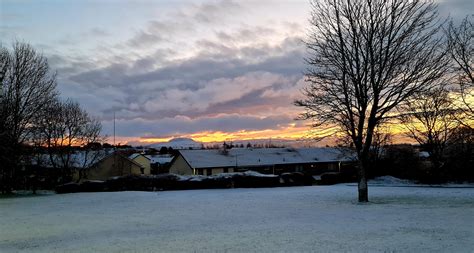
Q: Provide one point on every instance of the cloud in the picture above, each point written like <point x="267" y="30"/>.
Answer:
<point x="178" y="88"/>
<point x="189" y="72"/>
<point x="98" y="32"/>
<point x="183" y="23"/>
<point x="456" y="9"/>
<point x="218" y="65"/>
<point x="181" y="125"/>
<point x="214" y="11"/>
<point x="144" y="39"/>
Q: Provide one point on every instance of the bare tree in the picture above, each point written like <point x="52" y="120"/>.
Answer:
<point x="27" y="85"/>
<point x="430" y="119"/>
<point x="62" y="128"/>
<point x="4" y="63"/>
<point x="5" y="160"/>
<point x="461" y="49"/>
<point x="366" y="57"/>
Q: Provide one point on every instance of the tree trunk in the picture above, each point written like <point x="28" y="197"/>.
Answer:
<point x="362" y="186"/>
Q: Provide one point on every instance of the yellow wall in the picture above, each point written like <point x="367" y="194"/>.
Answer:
<point x="180" y="167"/>
<point x="218" y="171"/>
<point x="145" y="162"/>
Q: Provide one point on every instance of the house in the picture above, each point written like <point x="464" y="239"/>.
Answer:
<point x="160" y="163"/>
<point x="142" y="160"/>
<point x="81" y="165"/>
<point x="112" y="165"/>
<point x="85" y="165"/>
<point x="63" y="167"/>
<point x="314" y="161"/>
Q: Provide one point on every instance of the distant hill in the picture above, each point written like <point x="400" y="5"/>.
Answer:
<point x="178" y="143"/>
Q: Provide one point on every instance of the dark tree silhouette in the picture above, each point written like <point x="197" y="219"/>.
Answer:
<point x="431" y="120"/>
<point x="365" y="58"/>
<point x="62" y="127"/>
<point x="27" y="85"/>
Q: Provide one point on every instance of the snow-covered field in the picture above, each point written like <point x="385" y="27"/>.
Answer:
<point x="298" y="219"/>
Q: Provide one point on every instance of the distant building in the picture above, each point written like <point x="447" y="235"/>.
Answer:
<point x="314" y="161"/>
<point x="160" y="163"/>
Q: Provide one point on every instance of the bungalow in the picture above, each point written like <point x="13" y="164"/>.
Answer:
<point x="314" y="161"/>
<point x="112" y="165"/>
<point x="90" y="165"/>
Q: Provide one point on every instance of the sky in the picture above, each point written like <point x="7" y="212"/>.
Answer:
<point x="209" y="70"/>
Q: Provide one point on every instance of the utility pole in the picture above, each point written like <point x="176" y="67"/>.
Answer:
<point x="114" y="130"/>
<point x="114" y="152"/>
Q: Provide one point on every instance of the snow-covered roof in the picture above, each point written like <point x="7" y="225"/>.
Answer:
<point x="79" y="159"/>
<point x="247" y="157"/>
<point x="135" y="155"/>
<point x="160" y="159"/>
<point x="423" y="154"/>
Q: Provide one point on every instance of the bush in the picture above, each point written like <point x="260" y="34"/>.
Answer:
<point x="252" y="181"/>
<point x="330" y="178"/>
<point x="296" y="179"/>
<point x="93" y="186"/>
<point x="143" y="183"/>
<point x="68" y="188"/>
<point x="162" y="182"/>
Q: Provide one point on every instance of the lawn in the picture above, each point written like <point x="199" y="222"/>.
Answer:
<point x="296" y="219"/>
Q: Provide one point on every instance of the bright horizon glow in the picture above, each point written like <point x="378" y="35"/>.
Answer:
<point x="291" y="133"/>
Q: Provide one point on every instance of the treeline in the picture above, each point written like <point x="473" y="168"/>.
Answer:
<point x="231" y="145"/>
<point x="414" y="162"/>
<point x="34" y="119"/>
<point x="440" y="120"/>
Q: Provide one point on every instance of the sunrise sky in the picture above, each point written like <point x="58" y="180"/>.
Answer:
<point x="209" y="70"/>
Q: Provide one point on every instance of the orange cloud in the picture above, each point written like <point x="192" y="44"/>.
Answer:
<point x="290" y="132"/>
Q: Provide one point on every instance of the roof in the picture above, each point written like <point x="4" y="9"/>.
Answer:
<point x="246" y="157"/>
<point x="78" y="159"/>
<point x="160" y="159"/>
<point x="135" y="155"/>
<point x="128" y="159"/>
<point x="423" y="154"/>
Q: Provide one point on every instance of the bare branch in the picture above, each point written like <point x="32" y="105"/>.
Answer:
<point x="461" y="50"/>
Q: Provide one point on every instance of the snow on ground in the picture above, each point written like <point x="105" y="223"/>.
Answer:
<point x="389" y="180"/>
<point x="296" y="219"/>
<point x="393" y="181"/>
